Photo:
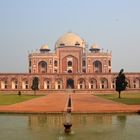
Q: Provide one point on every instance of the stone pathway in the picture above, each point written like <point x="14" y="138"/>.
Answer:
<point x="87" y="103"/>
<point x="81" y="103"/>
<point x="52" y="103"/>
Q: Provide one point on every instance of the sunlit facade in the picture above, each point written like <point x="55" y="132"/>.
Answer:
<point x="73" y="65"/>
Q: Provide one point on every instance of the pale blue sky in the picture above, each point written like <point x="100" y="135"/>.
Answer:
<point x="25" y="25"/>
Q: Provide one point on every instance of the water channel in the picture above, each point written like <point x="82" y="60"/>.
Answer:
<point x="85" y="127"/>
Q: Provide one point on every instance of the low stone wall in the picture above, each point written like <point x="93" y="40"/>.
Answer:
<point x="74" y="91"/>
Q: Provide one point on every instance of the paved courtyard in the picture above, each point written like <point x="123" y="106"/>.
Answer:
<point x="81" y="103"/>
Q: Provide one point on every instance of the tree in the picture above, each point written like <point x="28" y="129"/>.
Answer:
<point x="121" y="82"/>
<point x="35" y="84"/>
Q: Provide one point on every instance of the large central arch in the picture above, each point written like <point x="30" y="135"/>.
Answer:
<point x="70" y="83"/>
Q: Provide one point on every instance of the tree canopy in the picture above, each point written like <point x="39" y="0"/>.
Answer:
<point x="35" y="84"/>
<point x="121" y="82"/>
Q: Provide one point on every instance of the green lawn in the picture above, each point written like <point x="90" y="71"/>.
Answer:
<point x="12" y="99"/>
<point x="126" y="98"/>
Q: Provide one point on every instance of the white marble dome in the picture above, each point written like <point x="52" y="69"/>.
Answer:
<point x="70" y="39"/>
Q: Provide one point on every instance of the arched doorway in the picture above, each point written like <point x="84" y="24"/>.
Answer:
<point x="70" y="83"/>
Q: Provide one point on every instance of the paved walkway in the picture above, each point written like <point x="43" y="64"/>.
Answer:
<point x="81" y="103"/>
<point x="46" y="104"/>
<point x="87" y="103"/>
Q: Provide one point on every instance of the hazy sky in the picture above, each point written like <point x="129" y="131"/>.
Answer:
<point x="25" y="25"/>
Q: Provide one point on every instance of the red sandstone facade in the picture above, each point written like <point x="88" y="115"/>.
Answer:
<point x="71" y="66"/>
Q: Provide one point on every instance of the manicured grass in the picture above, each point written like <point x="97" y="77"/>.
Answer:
<point x="12" y="99"/>
<point x="126" y="98"/>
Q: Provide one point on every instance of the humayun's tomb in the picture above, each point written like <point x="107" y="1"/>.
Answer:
<point x="71" y="66"/>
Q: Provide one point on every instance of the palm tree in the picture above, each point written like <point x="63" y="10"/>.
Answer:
<point x="121" y="82"/>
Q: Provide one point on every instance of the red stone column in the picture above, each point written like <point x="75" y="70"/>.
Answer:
<point x="98" y="82"/>
<point x="76" y="82"/>
<point x="64" y="82"/>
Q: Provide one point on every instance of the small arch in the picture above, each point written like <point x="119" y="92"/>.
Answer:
<point x="47" y="84"/>
<point x="136" y="83"/>
<point x="4" y="84"/>
<point x="55" y="63"/>
<point x="93" y="83"/>
<point x="109" y="62"/>
<point x="113" y="84"/>
<point x="81" y="84"/>
<point x="104" y="83"/>
<point x="58" y="84"/>
<point x="97" y="66"/>
<point x="128" y="83"/>
<point x="30" y="63"/>
<point x="42" y="67"/>
<point x="83" y="63"/>
<point x="14" y="84"/>
<point x="84" y="70"/>
<point x="69" y="63"/>
<point x="69" y="71"/>
<point x="25" y="84"/>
